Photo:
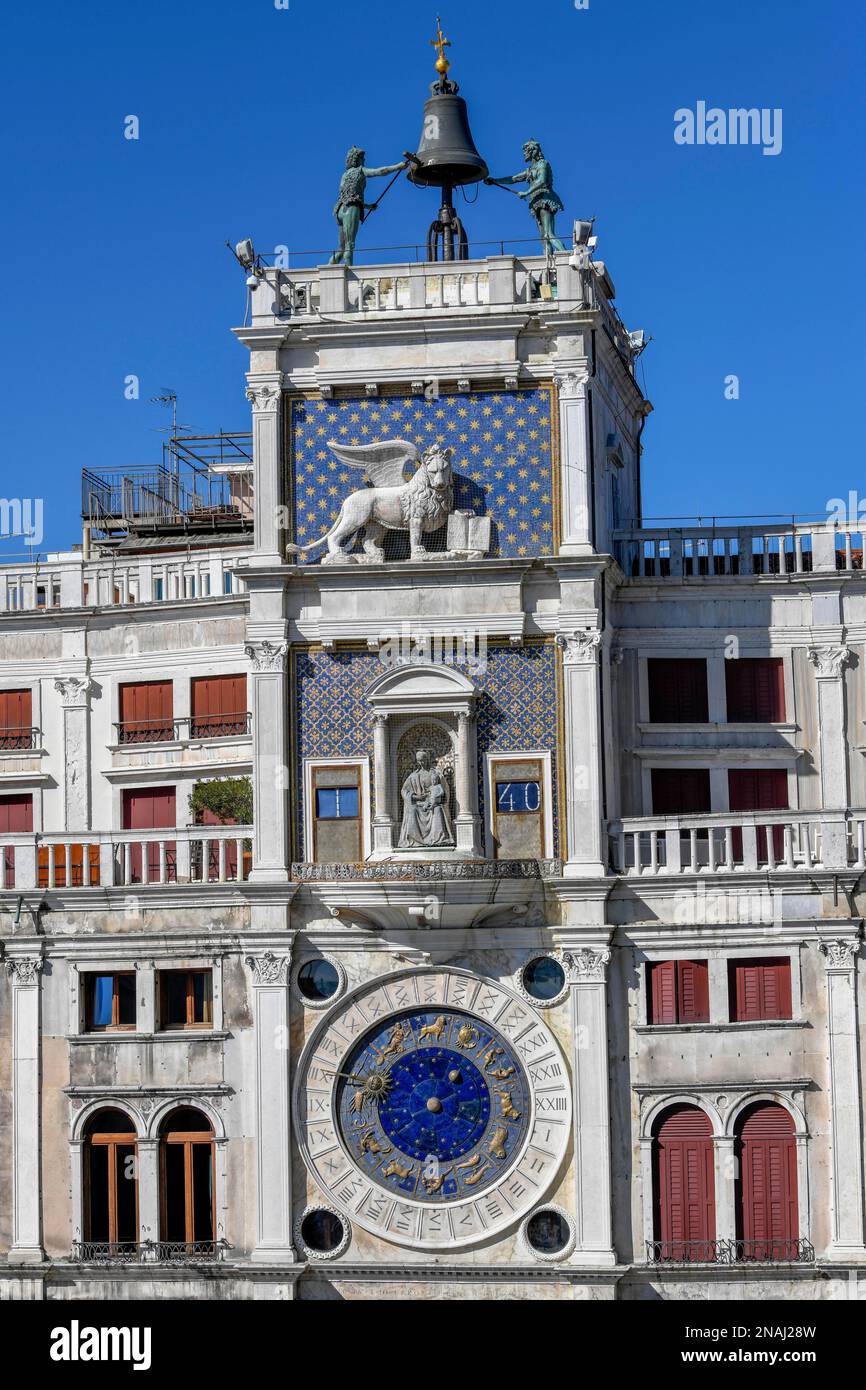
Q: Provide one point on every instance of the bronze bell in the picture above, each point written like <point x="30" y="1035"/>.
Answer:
<point x="447" y="157"/>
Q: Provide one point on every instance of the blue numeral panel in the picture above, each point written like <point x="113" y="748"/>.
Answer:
<point x="518" y="796"/>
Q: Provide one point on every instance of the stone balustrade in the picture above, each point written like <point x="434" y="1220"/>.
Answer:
<point x="67" y="580"/>
<point x="695" y="551"/>
<point x="732" y="843"/>
<point x="125" y="858"/>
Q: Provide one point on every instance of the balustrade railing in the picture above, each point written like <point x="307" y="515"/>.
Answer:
<point x="130" y="1252"/>
<point x="694" y="550"/>
<point x="728" y="842"/>
<point x="188" y="855"/>
<point x="729" y="1252"/>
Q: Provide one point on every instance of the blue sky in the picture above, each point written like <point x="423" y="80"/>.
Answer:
<point x="736" y="263"/>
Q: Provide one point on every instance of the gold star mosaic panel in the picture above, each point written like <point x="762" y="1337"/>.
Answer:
<point x="504" y="461"/>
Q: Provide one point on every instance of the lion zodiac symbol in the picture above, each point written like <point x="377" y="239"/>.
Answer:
<point x="418" y="506"/>
<point x="393" y="1170"/>
<point x="432" y="1030"/>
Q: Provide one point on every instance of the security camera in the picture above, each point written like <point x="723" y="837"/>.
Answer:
<point x="252" y="282"/>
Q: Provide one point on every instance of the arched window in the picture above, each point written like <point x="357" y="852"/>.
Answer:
<point x="110" y="1181"/>
<point x="684" y="1185"/>
<point x="187" y="1181"/>
<point x="766" y="1193"/>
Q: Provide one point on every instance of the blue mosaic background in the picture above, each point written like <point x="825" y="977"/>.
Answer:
<point x="502" y="459"/>
<point x="516" y="708"/>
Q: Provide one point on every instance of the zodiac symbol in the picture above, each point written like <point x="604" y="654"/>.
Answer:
<point x="502" y="1073"/>
<point x="432" y="1030"/>
<point x="373" y="1087"/>
<point x="507" y="1104"/>
<point x="467" y="1037"/>
<point x="496" y="1144"/>
<point x="475" y="1177"/>
<point x="393" y="1170"/>
<point x="491" y="1056"/>
<point x="370" y="1145"/>
<point x="433" y="1184"/>
<point x="396" y="1039"/>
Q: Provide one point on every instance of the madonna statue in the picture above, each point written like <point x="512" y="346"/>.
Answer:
<point x="426" y="819"/>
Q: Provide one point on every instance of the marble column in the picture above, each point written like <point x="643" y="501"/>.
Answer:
<point x="575" y="462"/>
<point x="270" y="762"/>
<point x="383" y="824"/>
<point x="582" y="771"/>
<point x="74" y="692"/>
<point x="587" y="969"/>
<point x="273" y="1108"/>
<point x="830" y="662"/>
<point x="24" y="972"/>
<point x="148" y="1190"/>
<point x="466" y="826"/>
<point x="846" y="1116"/>
<point x="265" y="394"/>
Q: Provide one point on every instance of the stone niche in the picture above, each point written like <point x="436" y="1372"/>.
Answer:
<point x="425" y="764"/>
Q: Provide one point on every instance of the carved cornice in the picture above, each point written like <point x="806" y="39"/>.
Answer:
<point x="74" y="690"/>
<point x="24" y="971"/>
<point x="829" y="661"/>
<point x="581" y="647"/>
<point x="267" y="656"/>
<point x="265" y="397"/>
<point x="269" y="969"/>
<point x="841" y="953"/>
<point x="419" y="871"/>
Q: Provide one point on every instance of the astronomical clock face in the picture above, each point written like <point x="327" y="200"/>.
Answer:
<point x="434" y="1108"/>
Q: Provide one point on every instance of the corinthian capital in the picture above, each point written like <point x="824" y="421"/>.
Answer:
<point x="74" y="690"/>
<point x="267" y="656"/>
<point x="269" y="969"/>
<point x="829" y="661"/>
<point x="588" y="965"/>
<point x="24" y="970"/>
<point x="570" y="382"/>
<point x="265" y="396"/>
<point x="581" y="647"/>
<point x="841" y="952"/>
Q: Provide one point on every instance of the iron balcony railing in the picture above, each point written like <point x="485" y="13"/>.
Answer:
<point x="131" y="1252"/>
<point x="729" y="1252"/>
<point x="18" y="737"/>
<point x="189" y="727"/>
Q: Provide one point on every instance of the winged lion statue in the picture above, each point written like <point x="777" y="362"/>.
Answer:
<point x="418" y="506"/>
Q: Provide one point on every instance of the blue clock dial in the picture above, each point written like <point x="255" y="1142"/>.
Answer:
<point x="433" y="1105"/>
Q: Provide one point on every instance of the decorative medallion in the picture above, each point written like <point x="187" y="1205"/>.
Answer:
<point x="433" y="1108"/>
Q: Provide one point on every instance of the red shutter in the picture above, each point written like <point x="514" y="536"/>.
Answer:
<point x="766" y="1197"/>
<point x="150" y="808"/>
<point x="755" y="689"/>
<point x="761" y="989"/>
<point x="680" y="791"/>
<point x="762" y="790"/>
<point x="677" y="690"/>
<point x="16" y="718"/>
<point x="684" y="1183"/>
<point x="219" y="705"/>
<point x="16" y="815"/>
<point x="663" y="991"/>
<point x="146" y="712"/>
<point x="694" y="991"/>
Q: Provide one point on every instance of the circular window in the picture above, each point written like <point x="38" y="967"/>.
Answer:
<point x="318" y="980"/>
<point x="548" y="1233"/>
<point x="322" y="1231"/>
<point x="544" y="979"/>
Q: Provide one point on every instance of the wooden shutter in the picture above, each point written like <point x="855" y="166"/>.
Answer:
<point x="16" y="710"/>
<point x="218" y="704"/>
<point x="146" y="711"/>
<point x="16" y="814"/>
<point x="761" y="989"/>
<point x="680" y="791"/>
<point x="766" y="1197"/>
<point x="662" y="991"/>
<point x="150" y="808"/>
<point x="684" y="1182"/>
<point x="677" y="690"/>
<point x="755" y="688"/>
<point x="693" y="991"/>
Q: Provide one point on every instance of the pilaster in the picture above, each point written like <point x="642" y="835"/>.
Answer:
<point x="587" y="969"/>
<point x="269" y="973"/>
<point x="575" y="461"/>
<point x="24" y="971"/>
<point x="582" y="772"/>
<point x="265" y="394"/>
<point x="270" y="761"/>
<point x="75" y="692"/>
<point x="846" y="1120"/>
<point x="830" y="661"/>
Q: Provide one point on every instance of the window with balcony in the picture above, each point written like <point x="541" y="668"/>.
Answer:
<point x="150" y="808"/>
<point x="218" y="706"/>
<point x="755" y="689"/>
<point x="678" y="991"/>
<point x="16" y="816"/>
<point x="759" y="989"/>
<point x="684" y="1203"/>
<point x="16" y="719"/>
<point x="677" y="690"/>
<point x="767" y="1218"/>
<point x="759" y="789"/>
<point x="110" y="1185"/>
<point x="109" y="1001"/>
<point x="187" y="1199"/>
<point x="146" y="713"/>
<point x="185" y="999"/>
<point x="681" y="791"/>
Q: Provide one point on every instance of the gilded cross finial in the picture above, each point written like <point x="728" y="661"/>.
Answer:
<point x="440" y="42"/>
